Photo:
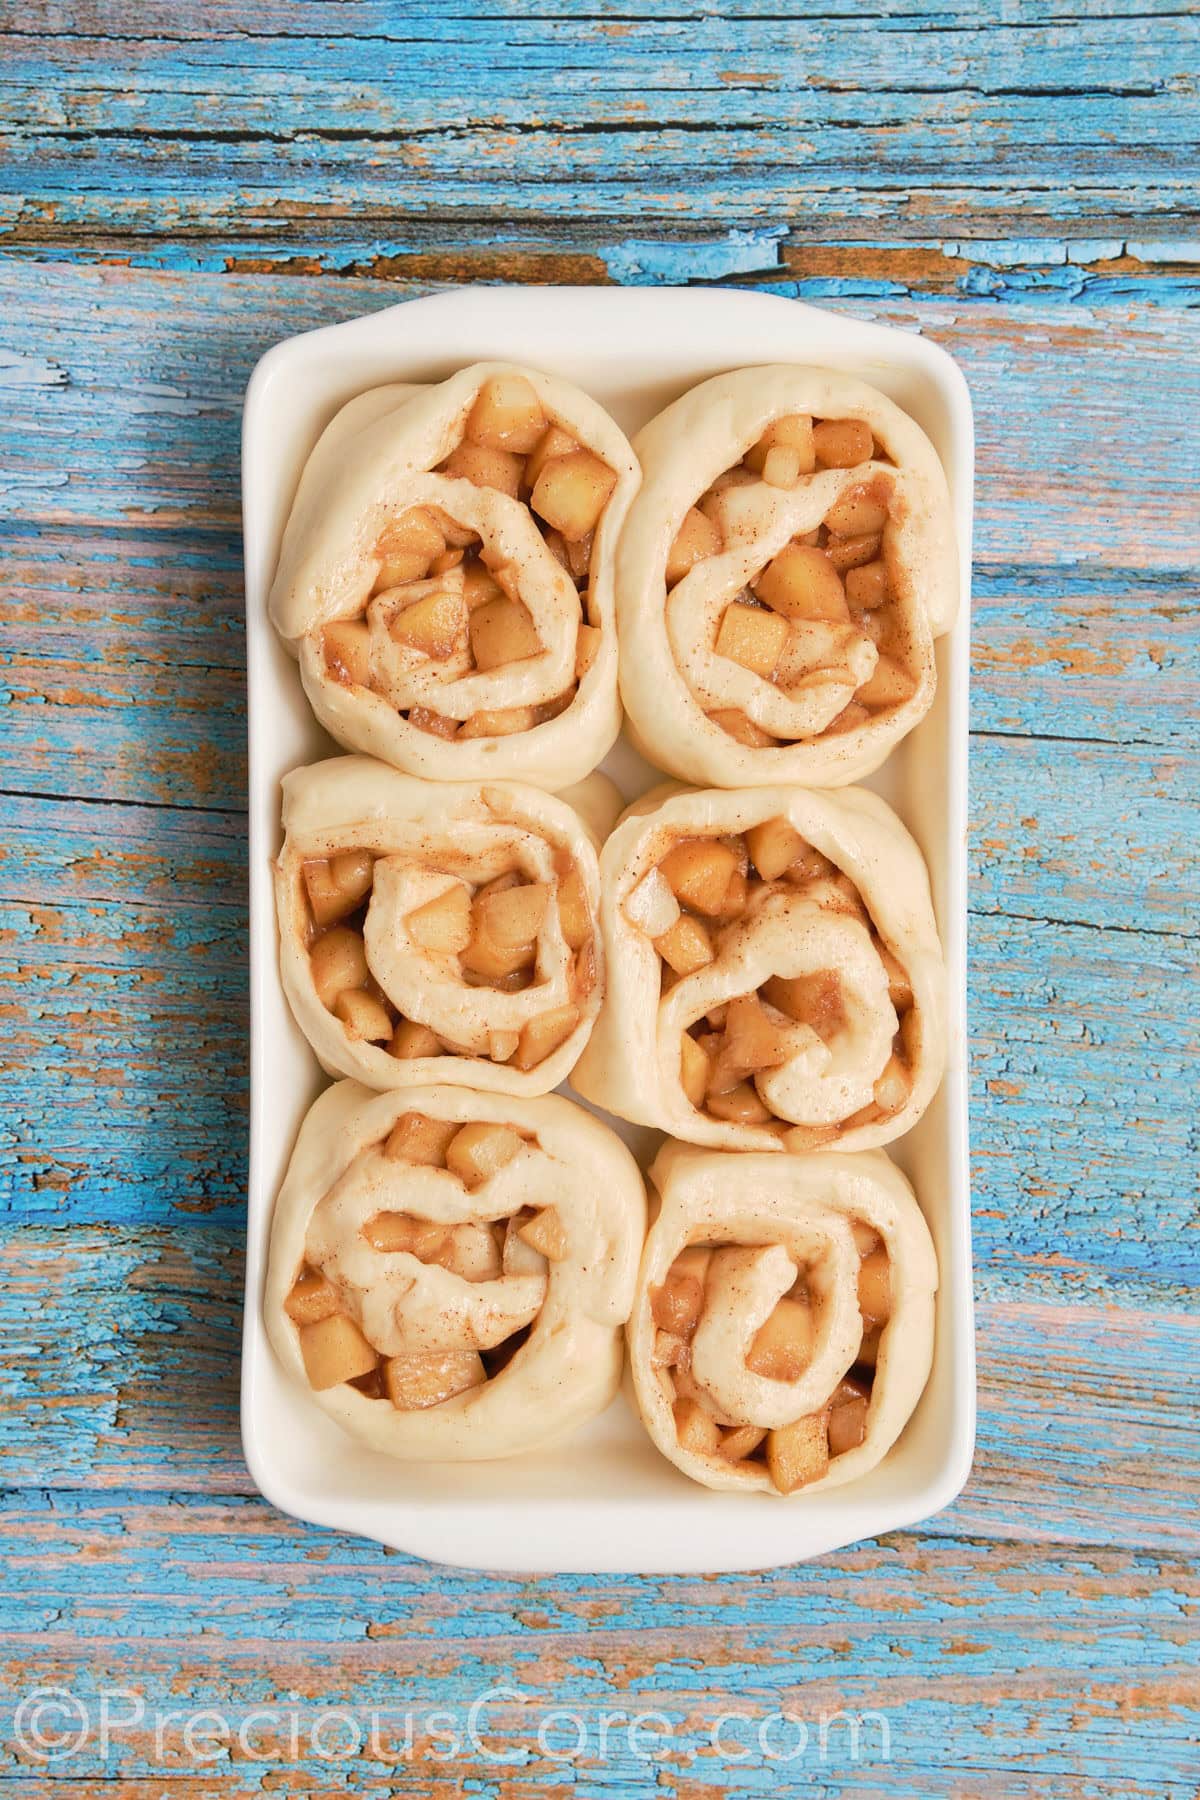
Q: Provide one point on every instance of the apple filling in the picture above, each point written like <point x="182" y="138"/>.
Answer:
<point x="446" y="599"/>
<point x="822" y="609"/>
<point x="330" y="1320"/>
<point x="800" y="1451"/>
<point x="696" y="903"/>
<point x="486" y="934"/>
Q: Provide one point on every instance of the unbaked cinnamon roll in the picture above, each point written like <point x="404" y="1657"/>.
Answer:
<point x="450" y="1271"/>
<point x="783" y="573"/>
<point x="439" y="932"/>
<point x="775" y="980"/>
<point x="782" y="1332"/>
<point x="446" y="576"/>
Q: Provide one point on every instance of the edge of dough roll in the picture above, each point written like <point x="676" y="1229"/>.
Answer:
<point x="450" y="1271"/>
<point x="440" y="931"/>
<point x="774" y="975"/>
<point x="784" y="570"/>
<point x="446" y="576"/>
<point x="783" y="1328"/>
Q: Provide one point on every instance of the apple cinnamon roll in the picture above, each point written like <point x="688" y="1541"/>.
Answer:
<point x="450" y="1271"/>
<point x="784" y="571"/>
<point x="782" y="1332"/>
<point x="775" y="979"/>
<point x="439" y="932"/>
<point x="446" y="577"/>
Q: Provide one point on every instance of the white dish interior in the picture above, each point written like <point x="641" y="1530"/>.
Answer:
<point x="605" y="1500"/>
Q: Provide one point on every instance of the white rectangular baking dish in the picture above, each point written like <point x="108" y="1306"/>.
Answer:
<point x="606" y="1500"/>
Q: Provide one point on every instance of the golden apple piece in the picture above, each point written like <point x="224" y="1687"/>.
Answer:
<point x="798" y="1454"/>
<point x="686" y="947"/>
<point x="545" y="1233"/>
<point x="893" y="1087"/>
<point x="507" y="415"/>
<point x="552" y="443"/>
<point x="543" y="1035"/>
<point x="697" y="1430"/>
<point x="513" y="916"/>
<point x="346" y="647"/>
<point x="337" y="885"/>
<point x="740" y="1442"/>
<point x="875" y="1287"/>
<point x="456" y="535"/>
<point x="783" y="1345"/>
<point x="698" y="873"/>
<point x="504" y="722"/>
<point x="857" y="513"/>
<point x="670" y="1352"/>
<point x="479" y="585"/>
<point x="900" y="991"/>
<point x="435" y="625"/>
<point x="574" y="914"/>
<point x="416" y="1138"/>
<point x="793" y="431"/>
<point x="416" y="1382"/>
<point x="393" y="1232"/>
<point x="694" y="1070"/>
<point x="676" y="1305"/>
<point x="366" y="1018"/>
<point x="312" y="1298"/>
<point x="442" y="925"/>
<point x="480" y="1150"/>
<point x="695" y="541"/>
<point x="437" y="724"/>
<point x="338" y="961"/>
<point x="889" y="684"/>
<point x="751" y="637"/>
<point x="587" y="648"/>
<point x="781" y="466"/>
<point x="335" y="1350"/>
<point x="499" y="469"/>
<point x="572" y="491"/>
<point x="579" y="557"/>
<point x="773" y="845"/>
<point x="502" y="631"/>
<point x="739" y="1105"/>
<point x="753" y="1041"/>
<point x="847" y="1420"/>
<point x="842" y="443"/>
<point x="815" y="1000"/>
<point x="802" y="583"/>
<point x="502" y="1045"/>
<point x="493" y="962"/>
<point x="411" y="1041"/>
<point x="739" y="726"/>
<point x="851" y="552"/>
<point x="851" y="718"/>
<point x="867" y="586"/>
<point x="416" y="535"/>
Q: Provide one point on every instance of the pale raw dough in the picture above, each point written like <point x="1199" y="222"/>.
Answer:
<point x="569" y="1367"/>
<point x="422" y="830"/>
<point x="786" y="1211"/>
<point x="631" y="1063"/>
<point x="372" y="463"/>
<point x="671" y="677"/>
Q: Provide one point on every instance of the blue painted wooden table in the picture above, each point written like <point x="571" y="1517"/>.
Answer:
<point x="181" y="187"/>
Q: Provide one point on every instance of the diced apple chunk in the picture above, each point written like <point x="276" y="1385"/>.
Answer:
<point x="652" y="905"/>
<point x="416" y="1382"/>
<point x="479" y="585"/>
<point x="842" y="443"/>
<point x="815" y="1000"/>
<point x="416" y="1138"/>
<point x="783" y="1345"/>
<point x="751" y="637"/>
<point x="574" y="914"/>
<point x="798" y="1453"/>
<point x="553" y="442"/>
<point x="338" y="961"/>
<point x="495" y="962"/>
<point x="411" y="1041"/>
<point x="889" y="684"/>
<point x="335" y="1350"/>
<point x="543" y="1035"/>
<point x="773" y="845"/>
<point x="442" y="925"/>
<point x="686" y="947"/>
<point x="499" y="469"/>
<point x="694" y="1070"/>
<point x="670" y="1352"/>
<point x="312" y="1298"/>
<point x="505" y="722"/>
<point x="437" y="724"/>
<point x="587" y="648"/>
<point x="507" y="415"/>
<point x="739" y="726"/>
<point x="545" y="1233"/>
<point x="867" y="586"/>
<point x="677" y="1304"/>
<point x="739" y="1105"/>
<point x="851" y="553"/>
<point x="698" y="872"/>
<point x="435" y="625"/>
<point x="513" y="916"/>
<point x="365" y="1017"/>
<point x="875" y="1286"/>
<point x="740" y="1442"/>
<point x="696" y="1429"/>
<point x="802" y="583"/>
<point x="847" y="1423"/>
<point x="893" y="1087"/>
<point x="572" y="491"/>
<point x="792" y="430"/>
<point x="857" y="513"/>
<point x="346" y="646"/>
<point x="337" y="885"/>
<point x="781" y="466"/>
<point x="480" y="1150"/>
<point x="696" y="540"/>
<point x="753" y="1041"/>
<point x="415" y="534"/>
<point x="502" y="631"/>
<point x="394" y="1232"/>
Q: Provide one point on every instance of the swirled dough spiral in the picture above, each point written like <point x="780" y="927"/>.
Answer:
<point x="783" y="573"/>
<point x="774" y="976"/>
<point x="783" y="1327"/>
<point x="446" y="576"/>
<point x="450" y="1271"/>
<point x="440" y="932"/>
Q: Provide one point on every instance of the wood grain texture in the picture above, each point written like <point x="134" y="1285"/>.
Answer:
<point x="179" y="188"/>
